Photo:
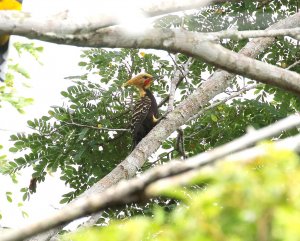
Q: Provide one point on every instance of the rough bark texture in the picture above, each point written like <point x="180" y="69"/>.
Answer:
<point x="192" y="44"/>
<point x="66" y="22"/>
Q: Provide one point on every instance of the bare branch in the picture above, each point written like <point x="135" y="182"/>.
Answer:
<point x="213" y="105"/>
<point x="179" y="74"/>
<point x="66" y="22"/>
<point x="244" y="156"/>
<point x="134" y="190"/>
<point x="238" y="35"/>
<point x="293" y="65"/>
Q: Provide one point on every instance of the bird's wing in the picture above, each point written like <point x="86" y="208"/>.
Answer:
<point x="140" y="112"/>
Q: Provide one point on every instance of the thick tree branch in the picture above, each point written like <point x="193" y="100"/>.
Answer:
<point x="196" y="45"/>
<point x="192" y="44"/>
<point x="244" y="156"/>
<point x="238" y="35"/>
<point x="136" y="189"/>
<point x="23" y="23"/>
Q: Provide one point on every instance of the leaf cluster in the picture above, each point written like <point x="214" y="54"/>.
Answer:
<point x="79" y="138"/>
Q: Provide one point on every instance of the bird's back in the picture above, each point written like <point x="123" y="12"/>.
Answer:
<point x="142" y="118"/>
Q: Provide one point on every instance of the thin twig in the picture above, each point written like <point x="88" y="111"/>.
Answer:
<point x="94" y="127"/>
<point x="160" y="157"/>
<point x="293" y="65"/>
<point x="180" y="143"/>
<point x="180" y="73"/>
<point x="222" y="101"/>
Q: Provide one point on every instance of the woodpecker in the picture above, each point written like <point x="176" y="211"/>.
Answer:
<point x="145" y="111"/>
<point x="7" y="5"/>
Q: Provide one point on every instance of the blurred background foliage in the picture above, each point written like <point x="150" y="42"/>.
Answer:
<point x="256" y="201"/>
<point x="85" y="139"/>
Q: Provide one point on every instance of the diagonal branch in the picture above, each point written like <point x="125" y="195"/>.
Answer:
<point x="243" y="156"/>
<point x="135" y="190"/>
<point x="179" y="75"/>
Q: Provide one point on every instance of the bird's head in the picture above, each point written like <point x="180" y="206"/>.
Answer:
<point x="141" y="81"/>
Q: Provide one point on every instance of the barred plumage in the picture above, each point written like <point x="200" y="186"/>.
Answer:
<point x="145" y="111"/>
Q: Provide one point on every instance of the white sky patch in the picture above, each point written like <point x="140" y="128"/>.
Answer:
<point x="47" y="81"/>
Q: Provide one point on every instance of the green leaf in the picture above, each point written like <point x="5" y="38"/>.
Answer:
<point x="64" y="200"/>
<point x="52" y="113"/>
<point x="25" y="214"/>
<point x="31" y="124"/>
<point x="8" y="196"/>
<point x="20" y="161"/>
<point x="40" y="49"/>
<point x="64" y="93"/>
<point x="82" y="63"/>
<point x="13" y="149"/>
<point x="214" y="118"/>
<point x="25" y="196"/>
<point x="83" y="133"/>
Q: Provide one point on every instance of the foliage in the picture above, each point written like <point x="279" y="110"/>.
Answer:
<point x="258" y="201"/>
<point x="74" y="138"/>
<point x="8" y="93"/>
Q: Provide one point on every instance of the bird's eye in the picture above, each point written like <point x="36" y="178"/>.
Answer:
<point x="145" y="77"/>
